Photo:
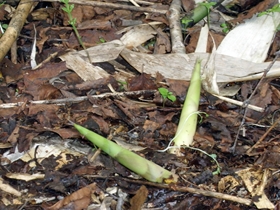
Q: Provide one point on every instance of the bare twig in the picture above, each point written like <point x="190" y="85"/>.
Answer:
<point x="246" y="103"/>
<point x="113" y="6"/>
<point x="207" y="193"/>
<point x="95" y="155"/>
<point x="139" y="2"/>
<point x="78" y="99"/>
<point x="239" y="103"/>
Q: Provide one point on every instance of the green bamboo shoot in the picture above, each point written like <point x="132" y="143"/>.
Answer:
<point x="132" y="161"/>
<point x="200" y="12"/>
<point x="188" y="119"/>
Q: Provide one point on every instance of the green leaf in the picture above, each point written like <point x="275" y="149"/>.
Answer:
<point x="5" y="26"/>
<point x="218" y="171"/>
<point x="163" y="91"/>
<point x="64" y="1"/>
<point x="214" y="156"/>
<point x="275" y="8"/>
<point x="67" y="6"/>
<point x="102" y="40"/>
<point x="225" y="30"/>
<point x="71" y="7"/>
<point x="122" y="82"/>
<point x="186" y="21"/>
<point x="72" y="21"/>
<point x="208" y="5"/>
<point x="262" y="13"/>
<point x="171" y="97"/>
<point x="64" y="9"/>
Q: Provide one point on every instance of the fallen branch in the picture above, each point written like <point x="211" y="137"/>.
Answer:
<point x="15" y="26"/>
<point x="175" y="27"/>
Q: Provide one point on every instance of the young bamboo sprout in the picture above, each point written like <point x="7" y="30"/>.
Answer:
<point x="188" y="119"/>
<point x="132" y="161"/>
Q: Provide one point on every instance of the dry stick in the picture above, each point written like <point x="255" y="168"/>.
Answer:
<point x="97" y="152"/>
<point x="239" y="103"/>
<point x="51" y="56"/>
<point x="15" y="26"/>
<point x="246" y="103"/>
<point x="207" y="193"/>
<point x="139" y="2"/>
<point x="62" y="101"/>
<point x="113" y="6"/>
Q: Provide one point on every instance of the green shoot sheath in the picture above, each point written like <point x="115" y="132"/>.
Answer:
<point x="131" y="160"/>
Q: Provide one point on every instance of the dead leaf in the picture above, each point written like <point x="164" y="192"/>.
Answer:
<point x="79" y="199"/>
<point x="141" y="82"/>
<point x="246" y="41"/>
<point x="255" y="180"/>
<point x="227" y="184"/>
<point x="138" y="200"/>
<point x="83" y="68"/>
<point x="178" y="66"/>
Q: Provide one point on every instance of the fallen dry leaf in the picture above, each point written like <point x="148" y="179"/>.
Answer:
<point x="78" y="200"/>
<point x="139" y="198"/>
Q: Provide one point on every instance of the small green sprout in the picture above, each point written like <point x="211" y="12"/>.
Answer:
<point x="275" y="8"/>
<point x="102" y="40"/>
<point x="166" y="95"/>
<point x="186" y="21"/>
<point x="123" y="84"/>
<point x="68" y="8"/>
<point x="208" y="5"/>
<point x="225" y="27"/>
<point x="150" y="44"/>
<point x="214" y="158"/>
